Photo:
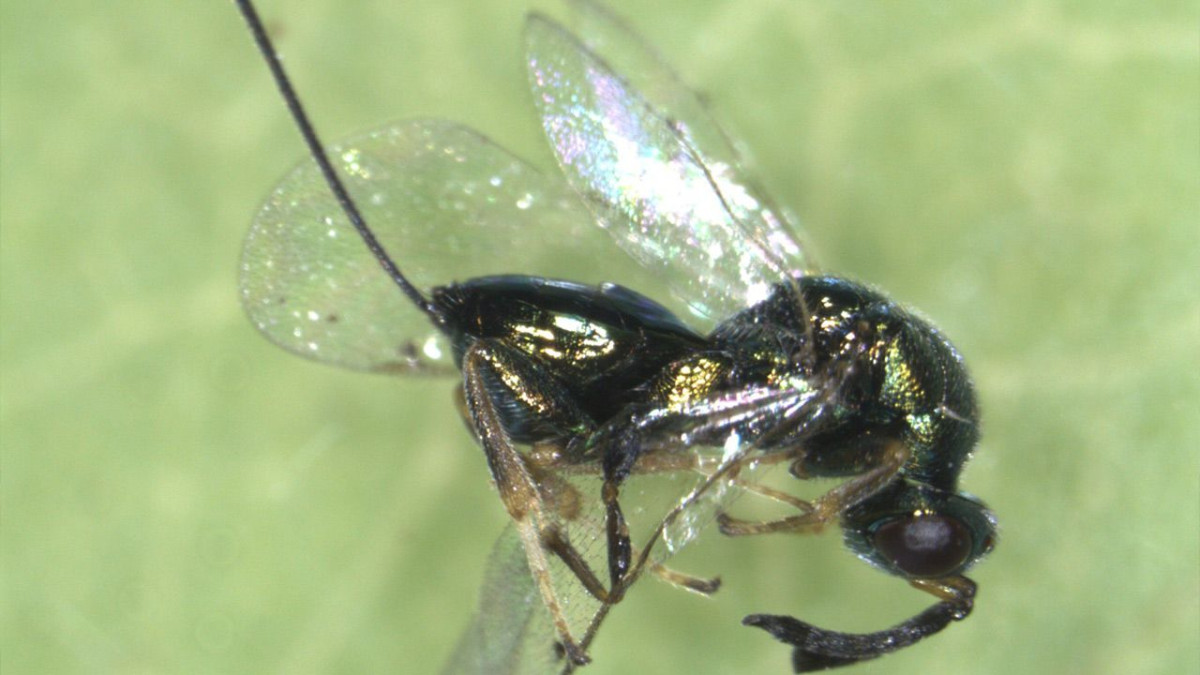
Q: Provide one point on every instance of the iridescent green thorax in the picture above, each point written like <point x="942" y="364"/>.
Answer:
<point x="884" y="373"/>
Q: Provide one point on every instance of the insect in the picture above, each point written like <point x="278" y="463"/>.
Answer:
<point x="777" y="364"/>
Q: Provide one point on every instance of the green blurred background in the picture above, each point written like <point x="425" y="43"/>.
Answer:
<point x="179" y="496"/>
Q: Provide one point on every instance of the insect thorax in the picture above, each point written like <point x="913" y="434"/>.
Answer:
<point x="878" y="373"/>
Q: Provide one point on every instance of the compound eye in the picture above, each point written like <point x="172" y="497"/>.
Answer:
<point x="924" y="545"/>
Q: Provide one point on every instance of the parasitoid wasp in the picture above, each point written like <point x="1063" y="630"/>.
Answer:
<point x="777" y="363"/>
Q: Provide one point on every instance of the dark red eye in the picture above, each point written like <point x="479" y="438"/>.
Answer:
<point x="924" y="545"/>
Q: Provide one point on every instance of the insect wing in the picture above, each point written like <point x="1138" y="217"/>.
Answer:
<point x="510" y="633"/>
<point x="655" y="168"/>
<point x="648" y="73"/>
<point x="447" y="204"/>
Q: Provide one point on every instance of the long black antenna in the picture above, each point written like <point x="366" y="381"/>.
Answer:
<point x="322" y="158"/>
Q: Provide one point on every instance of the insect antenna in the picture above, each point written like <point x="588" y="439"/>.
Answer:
<point x="336" y="186"/>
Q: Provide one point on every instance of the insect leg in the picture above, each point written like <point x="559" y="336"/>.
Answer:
<point x="620" y="549"/>
<point x="774" y="495"/>
<point x="518" y="488"/>
<point x="700" y="585"/>
<point x="828" y="507"/>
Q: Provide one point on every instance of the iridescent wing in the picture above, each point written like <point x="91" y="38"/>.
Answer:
<point x="654" y="166"/>
<point x="447" y="204"/>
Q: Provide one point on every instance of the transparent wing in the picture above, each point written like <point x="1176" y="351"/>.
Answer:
<point x="510" y="633"/>
<point x="447" y="204"/>
<point x="654" y="166"/>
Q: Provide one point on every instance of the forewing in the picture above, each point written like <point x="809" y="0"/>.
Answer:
<point x="447" y="204"/>
<point x="646" y="72"/>
<point x="655" y="167"/>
